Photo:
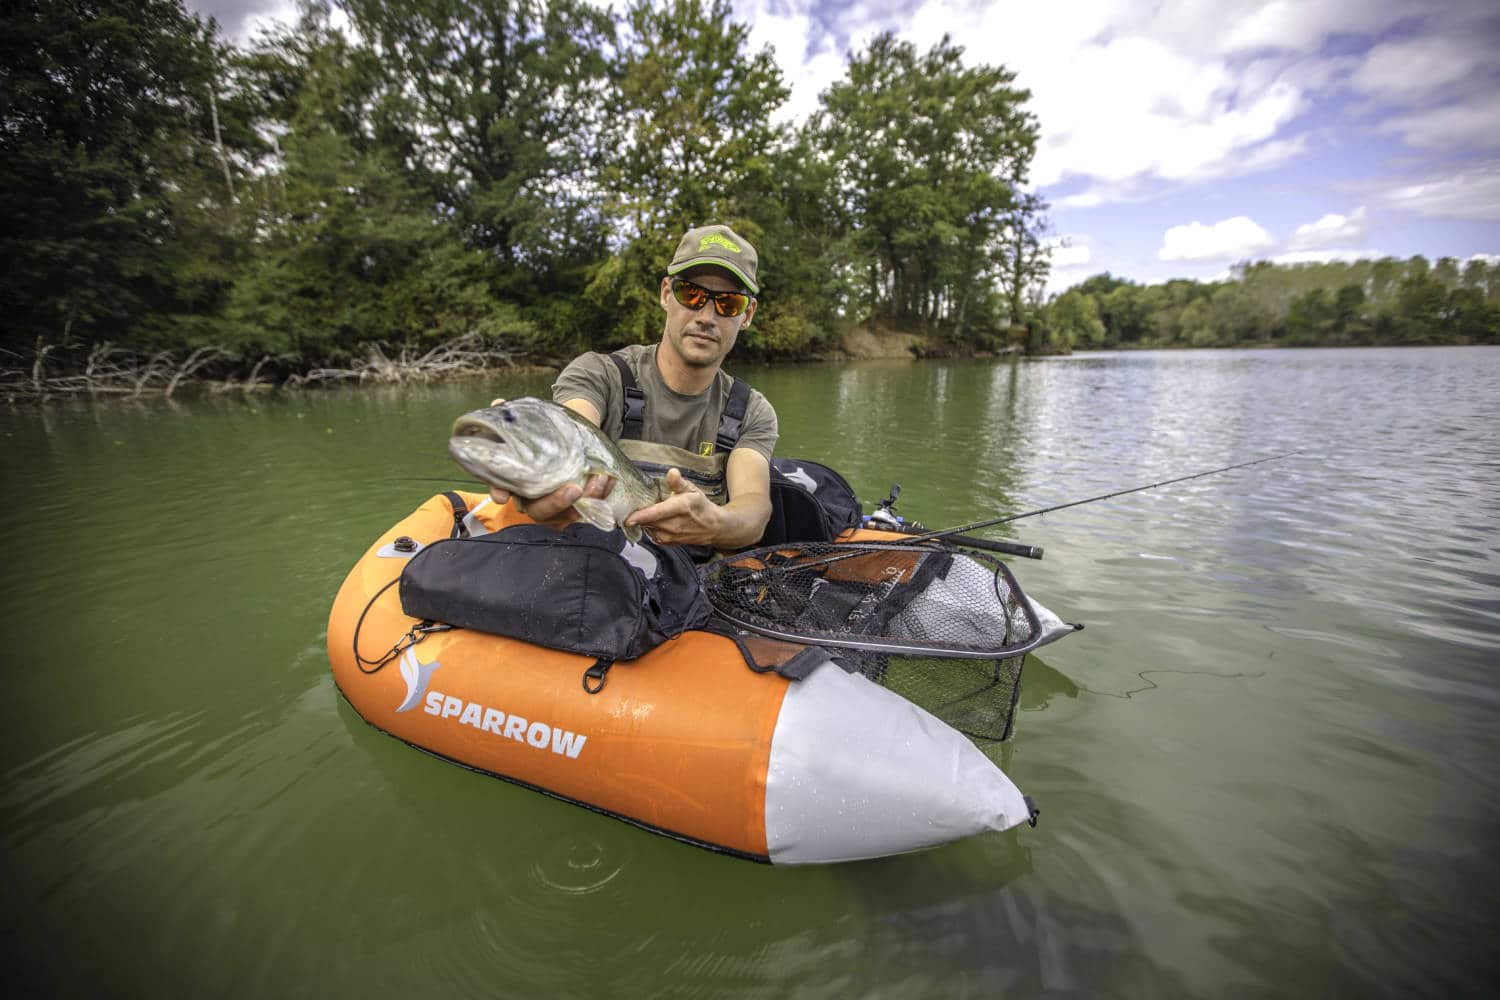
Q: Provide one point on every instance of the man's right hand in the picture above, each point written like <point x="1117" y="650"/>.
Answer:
<point x="556" y="508"/>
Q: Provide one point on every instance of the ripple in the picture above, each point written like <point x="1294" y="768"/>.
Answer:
<point x="578" y="866"/>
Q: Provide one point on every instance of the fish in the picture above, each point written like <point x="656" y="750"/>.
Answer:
<point x="530" y="447"/>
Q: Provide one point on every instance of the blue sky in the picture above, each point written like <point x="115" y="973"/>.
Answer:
<point x="1180" y="136"/>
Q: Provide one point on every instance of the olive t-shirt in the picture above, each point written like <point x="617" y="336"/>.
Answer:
<point x="687" y="422"/>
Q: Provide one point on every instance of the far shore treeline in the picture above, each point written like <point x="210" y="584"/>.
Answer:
<point x="473" y="179"/>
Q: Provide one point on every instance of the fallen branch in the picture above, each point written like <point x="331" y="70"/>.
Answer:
<point x="113" y="371"/>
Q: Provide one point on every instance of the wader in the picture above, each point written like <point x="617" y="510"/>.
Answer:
<point x="809" y="501"/>
<point x="704" y="471"/>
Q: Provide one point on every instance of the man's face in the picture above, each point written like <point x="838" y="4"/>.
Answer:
<point x="702" y="338"/>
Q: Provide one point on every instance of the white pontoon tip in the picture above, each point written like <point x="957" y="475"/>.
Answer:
<point x="857" y="771"/>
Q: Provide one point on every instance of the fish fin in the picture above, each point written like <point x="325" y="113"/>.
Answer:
<point x="632" y="531"/>
<point x="596" y="512"/>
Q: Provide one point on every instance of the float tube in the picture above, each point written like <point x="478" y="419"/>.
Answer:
<point x="686" y="740"/>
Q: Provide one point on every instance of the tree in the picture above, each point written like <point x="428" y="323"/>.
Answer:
<point x="806" y="253"/>
<point x="1421" y="306"/>
<point x="114" y="200"/>
<point x="693" y="145"/>
<point x="1309" y="317"/>
<point x="1348" y="314"/>
<point x="1023" y="260"/>
<point x="931" y="155"/>
<point x="1240" y="317"/>
<point x="496" y="108"/>
<point x="1472" y="321"/>
<point x="1128" y="313"/>
<point x="1073" y="317"/>
<point x="350" y="250"/>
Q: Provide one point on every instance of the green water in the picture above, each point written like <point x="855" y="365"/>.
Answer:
<point x="1266" y="766"/>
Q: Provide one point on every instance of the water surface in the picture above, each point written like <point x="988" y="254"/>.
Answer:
<point x="1265" y="767"/>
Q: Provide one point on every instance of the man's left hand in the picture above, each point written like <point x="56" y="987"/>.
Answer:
<point x="687" y="517"/>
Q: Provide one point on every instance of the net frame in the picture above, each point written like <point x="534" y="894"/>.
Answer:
<point x="768" y="565"/>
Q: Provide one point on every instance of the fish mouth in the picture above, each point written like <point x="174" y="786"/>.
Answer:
<point x="487" y="457"/>
<point x="466" y="426"/>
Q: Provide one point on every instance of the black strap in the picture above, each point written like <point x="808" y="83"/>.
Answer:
<point x="635" y="402"/>
<point x="460" y="510"/>
<point x="732" y="421"/>
<point x="414" y="635"/>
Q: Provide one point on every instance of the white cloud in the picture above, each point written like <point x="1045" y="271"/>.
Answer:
<point x="1127" y="93"/>
<point x="241" y="20"/>
<point x="1464" y="194"/>
<point x="786" y="32"/>
<point x="1068" y="251"/>
<point x="1133" y="108"/>
<point x="1409" y="70"/>
<point x="1121" y="93"/>
<point x="1303" y="25"/>
<point x="1473" y="123"/>
<point x="1230" y="239"/>
<point x="1085" y="199"/>
<point x="1329" y="231"/>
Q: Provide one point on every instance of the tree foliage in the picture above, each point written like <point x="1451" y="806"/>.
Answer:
<point x="930" y="156"/>
<point x="496" y="108"/>
<point x="349" y="250"/>
<point x="1386" y="301"/>
<point x="113" y="201"/>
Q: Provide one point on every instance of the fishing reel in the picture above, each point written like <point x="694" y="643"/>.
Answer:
<point x="885" y="518"/>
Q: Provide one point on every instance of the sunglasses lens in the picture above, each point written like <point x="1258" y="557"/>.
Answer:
<point x="689" y="294"/>
<point x="730" y="303"/>
<point x="694" y="296"/>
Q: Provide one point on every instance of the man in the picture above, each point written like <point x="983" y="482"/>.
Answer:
<point x="689" y="421"/>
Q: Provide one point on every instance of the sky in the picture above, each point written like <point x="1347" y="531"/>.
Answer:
<point x="1181" y="136"/>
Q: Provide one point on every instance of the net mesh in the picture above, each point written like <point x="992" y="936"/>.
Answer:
<point x="946" y="629"/>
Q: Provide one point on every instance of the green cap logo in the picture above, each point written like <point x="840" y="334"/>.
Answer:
<point x="717" y="246"/>
<point x="717" y="240"/>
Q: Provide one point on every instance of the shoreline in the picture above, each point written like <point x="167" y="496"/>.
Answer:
<point x="886" y="346"/>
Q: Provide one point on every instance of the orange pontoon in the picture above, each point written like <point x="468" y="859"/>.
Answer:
<point x="686" y="740"/>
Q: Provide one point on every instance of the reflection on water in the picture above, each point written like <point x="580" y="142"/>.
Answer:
<point x="1265" y="766"/>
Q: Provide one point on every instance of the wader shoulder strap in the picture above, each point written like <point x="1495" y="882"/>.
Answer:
<point x="635" y="401"/>
<point x="732" y="421"/>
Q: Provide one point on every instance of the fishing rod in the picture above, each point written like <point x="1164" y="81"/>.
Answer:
<point x="991" y="522"/>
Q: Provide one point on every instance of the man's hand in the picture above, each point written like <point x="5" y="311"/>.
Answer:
<point x="687" y="517"/>
<point x="556" y="508"/>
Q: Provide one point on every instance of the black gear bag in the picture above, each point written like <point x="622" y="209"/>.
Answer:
<point x="809" y="503"/>
<point x="581" y="589"/>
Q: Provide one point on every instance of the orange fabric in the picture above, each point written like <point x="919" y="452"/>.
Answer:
<point x="678" y="739"/>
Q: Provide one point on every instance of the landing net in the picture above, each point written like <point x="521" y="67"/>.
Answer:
<point x="947" y="629"/>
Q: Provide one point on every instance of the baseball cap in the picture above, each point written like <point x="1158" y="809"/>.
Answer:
<point x="721" y="247"/>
